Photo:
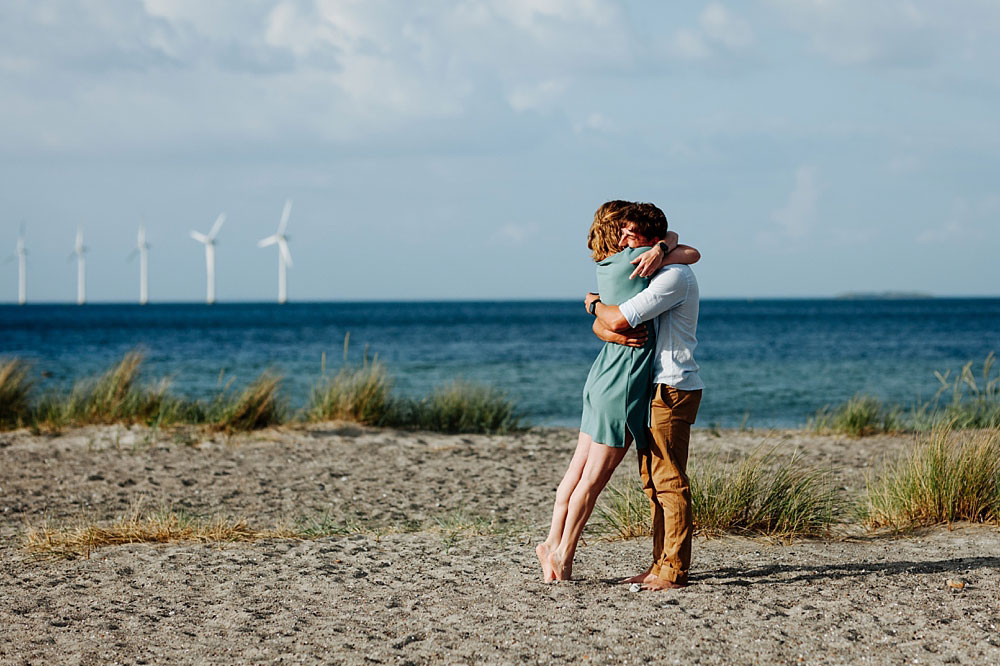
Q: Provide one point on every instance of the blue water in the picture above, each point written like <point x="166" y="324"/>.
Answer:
<point x="764" y="362"/>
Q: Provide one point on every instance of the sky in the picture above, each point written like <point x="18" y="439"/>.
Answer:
<point x="458" y="150"/>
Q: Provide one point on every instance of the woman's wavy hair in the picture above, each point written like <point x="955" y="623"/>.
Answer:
<point x="606" y="229"/>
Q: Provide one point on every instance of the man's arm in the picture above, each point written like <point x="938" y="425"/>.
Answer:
<point x="633" y="337"/>
<point x="609" y="316"/>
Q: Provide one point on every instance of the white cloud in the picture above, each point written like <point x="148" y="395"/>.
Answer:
<point x="798" y="215"/>
<point x="689" y="45"/>
<point x="535" y="97"/>
<point x="908" y="33"/>
<point x="721" y="25"/>
<point x="513" y="234"/>
<point x="967" y="222"/>
<point x="594" y="122"/>
<point x="717" y="27"/>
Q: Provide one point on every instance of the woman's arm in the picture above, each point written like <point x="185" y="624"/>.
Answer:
<point x="654" y="259"/>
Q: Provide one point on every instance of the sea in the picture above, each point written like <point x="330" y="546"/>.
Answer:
<point x="765" y="362"/>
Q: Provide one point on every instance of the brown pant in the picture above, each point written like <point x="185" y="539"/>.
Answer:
<point x="663" y="468"/>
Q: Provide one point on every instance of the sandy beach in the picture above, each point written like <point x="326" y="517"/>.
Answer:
<point x="437" y="561"/>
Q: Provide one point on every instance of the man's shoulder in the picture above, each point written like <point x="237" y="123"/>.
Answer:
<point x="673" y="273"/>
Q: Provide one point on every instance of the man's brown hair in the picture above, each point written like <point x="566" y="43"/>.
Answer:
<point x="648" y="220"/>
<point x="606" y="229"/>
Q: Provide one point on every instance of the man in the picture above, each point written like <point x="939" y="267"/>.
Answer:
<point x="671" y="301"/>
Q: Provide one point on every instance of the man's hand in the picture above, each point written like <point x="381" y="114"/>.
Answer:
<point x="651" y="260"/>
<point x="632" y="337"/>
<point x="588" y="299"/>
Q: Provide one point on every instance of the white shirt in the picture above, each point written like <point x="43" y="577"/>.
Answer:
<point x="671" y="302"/>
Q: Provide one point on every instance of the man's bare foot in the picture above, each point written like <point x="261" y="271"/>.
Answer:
<point x="662" y="584"/>
<point x="644" y="577"/>
<point x="542" y="550"/>
<point x="560" y="570"/>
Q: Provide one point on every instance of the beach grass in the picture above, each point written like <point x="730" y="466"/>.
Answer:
<point x="765" y="494"/>
<point x="258" y="406"/>
<point x="358" y="394"/>
<point x="462" y="407"/>
<point x="944" y="477"/>
<point x="15" y="393"/>
<point x="974" y="400"/>
<point x="860" y="416"/>
<point x="115" y="396"/>
<point x="145" y="526"/>
<point x="964" y="400"/>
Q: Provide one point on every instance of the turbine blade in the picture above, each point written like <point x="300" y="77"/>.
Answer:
<point x="270" y="240"/>
<point x="219" y="221"/>
<point x="285" y="253"/>
<point x="284" y="217"/>
<point x="200" y="237"/>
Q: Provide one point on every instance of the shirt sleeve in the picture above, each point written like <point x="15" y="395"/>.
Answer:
<point x="666" y="290"/>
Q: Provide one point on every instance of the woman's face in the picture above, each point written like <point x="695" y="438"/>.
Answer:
<point x="632" y="238"/>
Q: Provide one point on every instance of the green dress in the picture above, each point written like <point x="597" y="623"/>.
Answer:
<point x="616" y="395"/>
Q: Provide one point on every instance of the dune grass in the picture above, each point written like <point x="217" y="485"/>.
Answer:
<point x="944" y="477"/>
<point x="257" y="406"/>
<point x="142" y="526"/>
<point x="358" y="394"/>
<point x="765" y="494"/>
<point x="115" y="396"/>
<point x="361" y="394"/>
<point x="974" y="403"/>
<point x="15" y="393"/>
<point x="860" y="416"/>
<point x="461" y="407"/>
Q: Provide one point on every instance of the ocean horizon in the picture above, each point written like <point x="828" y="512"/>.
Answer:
<point x="766" y="362"/>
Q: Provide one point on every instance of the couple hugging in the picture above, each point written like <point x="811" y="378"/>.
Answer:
<point x="643" y="388"/>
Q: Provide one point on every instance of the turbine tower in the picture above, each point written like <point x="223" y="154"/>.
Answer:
<point x="22" y="273"/>
<point x="81" y="268"/>
<point x="209" y="242"/>
<point x="142" y="249"/>
<point x="284" y="256"/>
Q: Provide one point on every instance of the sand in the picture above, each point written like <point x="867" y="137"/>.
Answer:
<point x="444" y="571"/>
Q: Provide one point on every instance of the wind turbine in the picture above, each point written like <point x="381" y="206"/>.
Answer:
<point x="142" y="249"/>
<point x="209" y="242"/>
<point x="81" y="267"/>
<point x="22" y="272"/>
<point x="284" y="256"/>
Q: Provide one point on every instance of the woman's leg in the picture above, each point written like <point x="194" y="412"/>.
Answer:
<point x="600" y="464"/>
<point x="563" y="493"/>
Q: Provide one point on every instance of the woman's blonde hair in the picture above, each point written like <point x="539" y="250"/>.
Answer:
<point x="606" y="230"/>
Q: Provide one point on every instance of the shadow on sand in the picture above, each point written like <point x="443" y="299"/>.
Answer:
<point x="786" y="574"/>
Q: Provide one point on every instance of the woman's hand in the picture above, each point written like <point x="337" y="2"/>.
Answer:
<point x="653" y="259"/>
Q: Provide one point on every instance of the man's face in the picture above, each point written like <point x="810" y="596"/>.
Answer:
<point x="632" y="238"/>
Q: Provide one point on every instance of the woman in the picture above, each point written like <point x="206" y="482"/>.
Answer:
<point x="617" y="393"/>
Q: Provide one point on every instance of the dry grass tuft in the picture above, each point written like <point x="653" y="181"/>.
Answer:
<point x="149" y="527"/>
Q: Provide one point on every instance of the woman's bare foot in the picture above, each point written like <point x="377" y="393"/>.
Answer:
<point x="560" y="570"/>
<point x="542" y="550"/>
<point x="642" y="578"/>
